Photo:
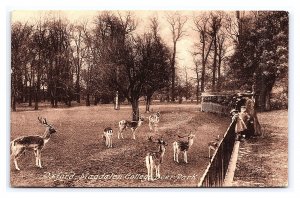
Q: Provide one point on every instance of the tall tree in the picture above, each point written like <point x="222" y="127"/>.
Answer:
<point x="204" y="44"/>
<point x="20" y="57"/>
<point x="261" y="56"/>
<point x="78" y="53"/>
<point x="197" y="70"/>
<point x="215" y="24"/>
<point x="176" y="22"/>
<point x="155" y="56"/>
<point x="59" y="71"/>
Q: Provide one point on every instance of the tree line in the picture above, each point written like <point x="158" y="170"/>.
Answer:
<point x="58" y="61"/>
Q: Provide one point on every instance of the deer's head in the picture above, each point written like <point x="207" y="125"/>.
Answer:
<point x="49" y="127"/>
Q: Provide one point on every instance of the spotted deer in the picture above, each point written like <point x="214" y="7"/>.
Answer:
<point x="155" y="159"/>
<point x="183" y="146"/>
<point x="153" y="121"/>
<point x="33" y="142"/>
<point x="107" y="136"/>
<point x="133" y="125"/>
<point x="213" y="145"/>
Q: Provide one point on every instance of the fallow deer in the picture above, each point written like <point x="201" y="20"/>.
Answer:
<point x="213" y="145"/>
<point x="155" y="159"/>
<point x="107" y="135"/>
<point x="133" y="125"/>
<point x="153" y="121"/>
<point x="183" y="146"/>
<point x="34" y="142"/>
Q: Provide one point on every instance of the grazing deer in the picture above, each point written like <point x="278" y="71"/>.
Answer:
<point x="153" y="121"/>
<point x="107" y="135"/>
<point x="155" y="159"/>
<point x="35" y="143"/>
<point x="133" y="125"/>
<point x="213" y="145"/>
<point x="183" y="146"/>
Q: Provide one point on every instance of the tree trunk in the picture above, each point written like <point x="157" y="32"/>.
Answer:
<point x="267" y="102"/>
<point x="88" y="103"/>
<point x="36" y="99"/>
<point x="36" y="96"/>
<point x="52" y="102"/>
<point x="148" y="103"/>
<point x="55" y="102"/>
<point x="96" y="101"/>
<point x="173" y="73"/>
<point x="30" y="96"/>
<point x="197" y="89"/>
<point x="180" y="100"/>
<point x="69" y="102"/>
<point x="264" y="98"/>
<point x="14" y="103"/>
<point x="214" y="64"/>
<point x="219" y="70"/>
<point x="44" y="97"/>
<point x="135" y="109"/>
<point x="168" y="94"/>
<point x="77" y="88"/>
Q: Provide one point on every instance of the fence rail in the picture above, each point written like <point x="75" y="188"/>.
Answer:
<point x="215" y="172"/>
<point x="214" y="108"/>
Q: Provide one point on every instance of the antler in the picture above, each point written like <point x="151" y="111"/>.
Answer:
<point x="42" y="120"/>
<point x="185" y="135"/>
<point x="151" y="139"/>
<point x="182" y="136"/>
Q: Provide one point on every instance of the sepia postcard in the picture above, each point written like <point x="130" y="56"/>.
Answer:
<point x="151" y="98"/>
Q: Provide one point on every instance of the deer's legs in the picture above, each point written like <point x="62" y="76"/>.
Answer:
<point x="110" y="140"/>
<point x="185" y="156"/>
<point x="16" y="163"/>
<point x="150" y="126"/>
<point x="176" y="155"/>
<point x="39" y="154"/>
<point x="149" y="165"/>
<point x="17" y="152"/>
<point x="133" y="133"/>
<point x="36" y="157"/>
<point x="120" y="133"/>
<point x="155" y="127"/>
<point x="157" y="171"/>
<point x="106" y="140"/>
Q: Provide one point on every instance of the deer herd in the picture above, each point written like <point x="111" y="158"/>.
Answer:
<point x="153" y="159"/>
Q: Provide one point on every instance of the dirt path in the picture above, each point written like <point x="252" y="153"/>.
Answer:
<point x="263" y="162"/>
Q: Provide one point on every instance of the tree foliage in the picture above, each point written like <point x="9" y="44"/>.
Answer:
<point x="261" y="55"/>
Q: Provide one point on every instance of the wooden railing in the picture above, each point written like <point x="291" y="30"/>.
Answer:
<point x="220" y="103"/>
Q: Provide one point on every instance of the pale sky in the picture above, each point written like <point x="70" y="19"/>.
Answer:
<point x="184" y="46"/>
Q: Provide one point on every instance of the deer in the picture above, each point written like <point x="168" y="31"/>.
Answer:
<point x="213" y="145"/>
<point x="33" y="142"/>
<point x="153" y="121"/>
<point x="107" y="136"/>
<point x="183" y="146"/>
<point x="133" y="125"/>
<point x="155" y="159"/>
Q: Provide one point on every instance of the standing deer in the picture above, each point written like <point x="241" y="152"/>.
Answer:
<point x="155" y="159"/>
<point x="35" y="143"/>
<point x="133" y="125"/>
<point x="183" y="146"/>
<point x="153" y="121"/>
<point x="107" y="135"/>
<point x="213" y="145"/>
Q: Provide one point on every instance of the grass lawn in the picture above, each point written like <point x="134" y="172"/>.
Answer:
<point x="76" y="156"/>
